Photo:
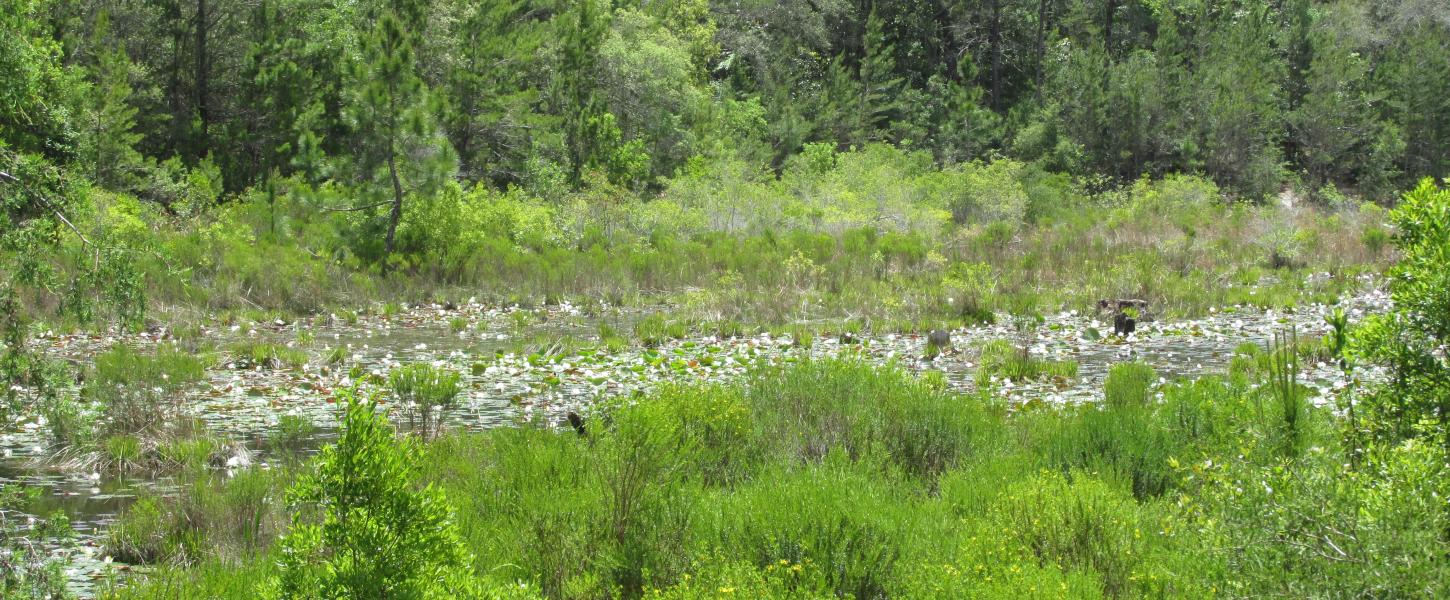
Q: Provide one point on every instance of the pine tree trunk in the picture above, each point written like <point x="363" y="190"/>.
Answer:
<point x="1111" y="6"/>
<point x="995" y="40"/>
<point x="397" y="212"/>
<point x="201" y="76"/>
<point x="1041" y="45"/>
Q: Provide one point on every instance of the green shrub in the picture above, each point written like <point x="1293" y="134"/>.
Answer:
<point x="377" y="535"/>
<point x="1309" y="527"/>
<point x="1077" y="523"/>
<point x="1128" y="443"/>
<point x="1411" y="338"/>
<point x="1375" y="239"/>
<point x="816" y="407"/>
<point x="841" y="525"/>
<point x="527" y="497"/>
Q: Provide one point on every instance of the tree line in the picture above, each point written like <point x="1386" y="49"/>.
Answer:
<point x="394" y="97"/>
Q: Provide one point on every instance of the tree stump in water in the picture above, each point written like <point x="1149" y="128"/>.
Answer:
<point x="1124" y="324"/>
<point x="939" y="338"/>
<point x="1127" y="313"/>
<point x="937" y="341"/>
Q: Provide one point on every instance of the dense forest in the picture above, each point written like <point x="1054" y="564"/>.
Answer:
<point x="184" y="104"/>
<point x="709" y="298"/>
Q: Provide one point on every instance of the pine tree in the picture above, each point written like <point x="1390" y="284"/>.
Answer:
<point x="1240" y="118"/>
<point x="392" y="110"/>
<point x="286" y="79"/>
<point x="1415" y="75"/>
<point x="1335" y="127"/>
<point x="580" y="106"/>
<point x="490" y="118"/>
<point x="877" y="102"/>
<point x="110" y="141"/>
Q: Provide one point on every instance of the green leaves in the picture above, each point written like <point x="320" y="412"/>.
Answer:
<point x="363" y="528"/>
<point x="1411" y="339"/>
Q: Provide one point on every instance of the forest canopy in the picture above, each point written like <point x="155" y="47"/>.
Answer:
<point x="1252" y="94"/>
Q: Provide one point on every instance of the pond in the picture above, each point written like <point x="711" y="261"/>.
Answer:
<point x="503" y="386"/>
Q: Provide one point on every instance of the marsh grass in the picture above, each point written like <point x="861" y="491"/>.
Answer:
<point x="425" y="394"/>
<point x="1002" y="359"/>
<point x="458" y="324"/>
<point x="140" y="395"/>
<point x="336" y="356"/>
<point x="215" y="518"/>
<point x="1284" y="388"/>
<point x="655" y="329"/>
<point x="1129" y="385"/>
<point x="265" y="355"/>
<point x="292" y="434"/>
<point x="842" y="479"/>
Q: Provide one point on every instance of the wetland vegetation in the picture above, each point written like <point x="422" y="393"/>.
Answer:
<point x="705" y="299"/>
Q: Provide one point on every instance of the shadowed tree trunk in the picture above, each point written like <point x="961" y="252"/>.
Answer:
<point x="994" y="38"/>
<point x="201" y="76"/>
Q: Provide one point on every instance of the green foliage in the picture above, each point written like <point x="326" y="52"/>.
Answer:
<point x="1129" y="384"/>
<point x="1370" y="532"/>
<point x="375" y="534"/>
<point x="823" y="479"/>
<point x="391" y="112"/>
<point x="424" y="384"/>
<point x="109" y="142"/>
<point x="141" y="393"/>
<point x="820" y="408"/>
<point x="211" y="519"/>
<point x="1410" y="339"/>
<point x="1001" y="359"/>
<point x="266" y="355"/>
<point x="426" y="393"/>
<point x="34" y="108"/>
<point x="1284" y="387"/>
<point x="291" y="434"/>
<point x="1076" y="522"/>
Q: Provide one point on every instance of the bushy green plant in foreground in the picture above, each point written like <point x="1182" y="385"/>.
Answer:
<point x="375" y="535"/>
<point x="1129" y="384"/>
<point x="1412" y="338"/>
<point x="839" y="479"/>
